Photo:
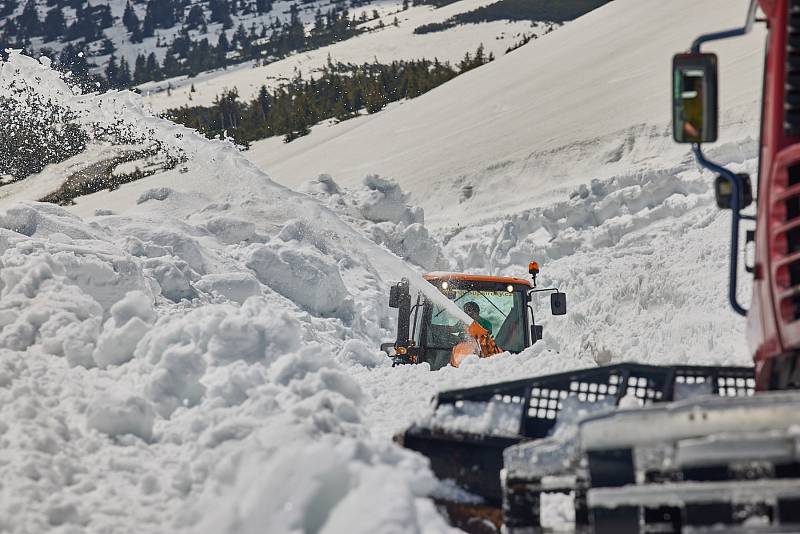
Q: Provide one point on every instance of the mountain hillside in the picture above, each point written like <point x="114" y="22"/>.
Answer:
<point x="580" y="103"/>
<point x="121" y="43"/>
<point x="183" y="36"/>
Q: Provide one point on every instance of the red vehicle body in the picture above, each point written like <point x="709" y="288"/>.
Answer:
<point x="774" y="315"/>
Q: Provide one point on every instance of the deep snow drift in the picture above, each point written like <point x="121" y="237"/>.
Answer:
<point x="197" y="351"/>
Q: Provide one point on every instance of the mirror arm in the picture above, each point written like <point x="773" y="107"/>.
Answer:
<point x="736" y="183"/>
<point x="725" y="34"/>
<point x="553" y="289"/>
<point x="736" y="216"/>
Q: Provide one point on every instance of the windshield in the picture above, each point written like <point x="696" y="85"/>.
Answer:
<point x="501" y="312"/>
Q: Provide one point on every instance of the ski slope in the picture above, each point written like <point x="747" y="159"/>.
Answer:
<point x="197" y="351"/>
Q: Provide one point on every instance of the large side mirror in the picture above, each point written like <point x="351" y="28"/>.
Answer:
<point x="389" y="349"/>
<point x="394" y="296"/>
<point x="558" y="303"/>
<point x="537" y="331"/>
<point x="694" y="98"/>
<point x="723" y="191"/>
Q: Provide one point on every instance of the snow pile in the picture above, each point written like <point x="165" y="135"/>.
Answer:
<point x="109" y="386"/>
<point x="171" y="360"/>
<point x="381" y="209"/>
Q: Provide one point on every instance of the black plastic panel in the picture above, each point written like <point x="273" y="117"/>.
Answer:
<point x="544" y="396"/>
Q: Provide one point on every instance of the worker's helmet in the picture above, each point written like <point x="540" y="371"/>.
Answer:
<point x="472" y="308"/>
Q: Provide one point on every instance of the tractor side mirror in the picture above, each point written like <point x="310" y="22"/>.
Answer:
<point x="694" y="98"/>
<point x="537" y="331"/>
<point x="558" y="303"/>
<point x="723" y="191"/>
<point x="394" y="296"/>
<point x="389" y="349"/>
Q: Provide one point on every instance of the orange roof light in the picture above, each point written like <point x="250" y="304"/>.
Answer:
<point x="533" y="267"/>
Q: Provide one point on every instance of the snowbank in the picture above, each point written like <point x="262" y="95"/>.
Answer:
<point x="171" y="360"/>
<point x="381" y="209"/>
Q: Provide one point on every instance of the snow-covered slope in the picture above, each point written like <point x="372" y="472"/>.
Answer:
<point x="385" y="45"/>
<point x="120" y="37"/>
<point x="590" y="100"/>
<point x="196" y="351"/>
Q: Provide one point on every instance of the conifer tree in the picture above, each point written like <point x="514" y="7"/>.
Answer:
<point x="7" y="7"/>
<point x="125" y="78"/>
<point x="140" y="74"/>
<point x="28" y="22"/>
<point x="263" y="6"/>
<point x="264" y="102"/>
<point x="153" y="68"/>
<point x="149" y="25"/>
<point x="130" y="19"/>
<point x="54" y="25"/>
<point x="171" y="65"/>
<point x="220" y="12"/>
<point x="196" y="18"/>
<point x="112" y="72"/>
<point x="73" y="59"/>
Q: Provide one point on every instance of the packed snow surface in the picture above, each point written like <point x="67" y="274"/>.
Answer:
<point x="197" y="351"/>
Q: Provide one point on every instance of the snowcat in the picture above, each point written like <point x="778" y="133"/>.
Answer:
<point x="645" y="448"/>
<point x="501" y="308"/>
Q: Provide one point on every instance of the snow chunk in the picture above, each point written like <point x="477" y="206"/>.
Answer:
<point x="116" y="416"/>
<point x="412" y="242"/>
<point x="494" y="417"/>
<point x="230" y="230"/>
<point x="157" y="193"/>
<point x="380" y="209"/>
<point x="174" y="277"/>
<point x="257" y="331"/>
<point x="237" y="286"/>
<point x="382" y="199"/>
<point x="304" y="275"/>
<point x="323" y="184"/>
<point x="130" y="320"/>
<point x="355" y="351"/>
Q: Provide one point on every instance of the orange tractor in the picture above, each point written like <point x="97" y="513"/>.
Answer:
<point x="500" y="310"/>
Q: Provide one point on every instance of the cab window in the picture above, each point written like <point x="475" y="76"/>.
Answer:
<point x="500" y="312"/>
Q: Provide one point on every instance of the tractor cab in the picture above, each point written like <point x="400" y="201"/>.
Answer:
<point x="501" y="306"/>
